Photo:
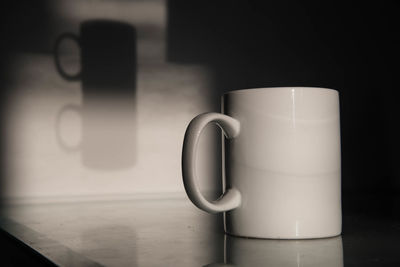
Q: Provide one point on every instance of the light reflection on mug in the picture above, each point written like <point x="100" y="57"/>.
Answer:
<point x="286" y="253"/>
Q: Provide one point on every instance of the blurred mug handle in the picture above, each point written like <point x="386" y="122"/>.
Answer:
<point x="60" y="39"/>
<point x="60" y="140"/>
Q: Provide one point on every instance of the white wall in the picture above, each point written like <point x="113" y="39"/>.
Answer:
<point x="168" y="96"/>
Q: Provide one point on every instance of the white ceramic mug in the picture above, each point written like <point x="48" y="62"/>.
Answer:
<point x="282" y="175"/>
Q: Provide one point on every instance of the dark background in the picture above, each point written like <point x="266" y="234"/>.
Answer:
<point x="348" y="46"/>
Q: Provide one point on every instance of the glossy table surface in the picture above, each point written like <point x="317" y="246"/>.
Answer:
<point x="167" y="230"/>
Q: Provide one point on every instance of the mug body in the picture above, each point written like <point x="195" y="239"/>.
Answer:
<point x="285" y="162"/>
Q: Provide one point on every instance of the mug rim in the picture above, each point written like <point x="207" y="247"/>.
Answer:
<point x="248" y="90"/>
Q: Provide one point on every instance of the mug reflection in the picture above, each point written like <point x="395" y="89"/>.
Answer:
<point x="287" y="253"/>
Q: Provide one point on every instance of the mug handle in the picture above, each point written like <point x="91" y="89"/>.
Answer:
<point x="60" y="140"/>
<point x="231" y="199"/>
<point x="60" y="39"/>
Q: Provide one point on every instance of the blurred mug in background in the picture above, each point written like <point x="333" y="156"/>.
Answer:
<point x="108" y="73"/>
